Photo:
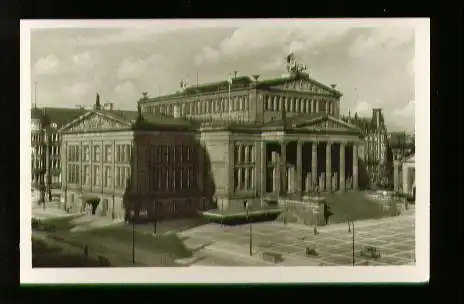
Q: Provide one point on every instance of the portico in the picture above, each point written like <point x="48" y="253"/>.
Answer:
<point x="318" y="154"/>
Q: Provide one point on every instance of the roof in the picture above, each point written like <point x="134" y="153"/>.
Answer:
<point x="295" y="119"/>
<point x="410" y="159"/>
<point x="60" y="116"/>
<point x="237" y="83"/>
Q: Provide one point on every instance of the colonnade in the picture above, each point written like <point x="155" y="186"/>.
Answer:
<point x="326" y="166"/>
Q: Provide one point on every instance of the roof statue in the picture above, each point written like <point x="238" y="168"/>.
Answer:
<point x="295" y="69"/>
<point x="145" y="95"/>
<point x="97" y="102"/>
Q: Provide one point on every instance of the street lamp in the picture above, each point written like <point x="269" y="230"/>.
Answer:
<point x="351" y="224"/>
<point x="132" y="213"/>
<point x="154" y="218"/>
<point x="247" y="208"/>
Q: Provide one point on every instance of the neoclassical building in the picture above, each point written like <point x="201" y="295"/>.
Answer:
<point x="211" y="146"/>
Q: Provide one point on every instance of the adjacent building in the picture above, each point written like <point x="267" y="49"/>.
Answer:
<point x="375" y="156"/>
<point x="46" y="144"/>
<point x="210" y="146"/>
<point x="403" y="148"/>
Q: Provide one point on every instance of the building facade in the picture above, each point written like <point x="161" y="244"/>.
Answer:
<point x="403" y="148"/>
<point x="46" y="144"/>
<point x="375" y="151"/>
<point x="204" y="148"/>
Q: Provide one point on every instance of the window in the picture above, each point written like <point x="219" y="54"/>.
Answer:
<point x="86" y="175"/>
<point x="96" y="178"/>
<point x="73" y="153"/>
<point x="108" y="153"/>
<point x="86" y="153"/>
<point x="96" y="153"/>
<point x="73" y="173"/>
<point x="107" y="178"/>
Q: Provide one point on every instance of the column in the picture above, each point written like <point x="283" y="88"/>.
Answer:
<point x="312" y="110"/>
<point x="342" y="167"/>
<point x="355" y="166"/>
<point x="283" y="167"/>
<point x="328" y="166"/>
<point x="231" y="169"/>
<point x="262" y="170"/>
<point x="406" y="185"/>
<point x="102" y="156"/>
<point x="134" y="159"/>
<point x="314" y="176"/>
<point x="247" y="178"/>
<point x="113" y="184"/>
<point x="396" y="165"/>
<point x="299" y="167"/>
<point x="317" y="105"/>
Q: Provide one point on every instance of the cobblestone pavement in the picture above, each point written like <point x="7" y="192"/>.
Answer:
<point x="394" y="237"/>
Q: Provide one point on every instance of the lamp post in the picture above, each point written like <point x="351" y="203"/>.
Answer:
<point x="154" y="219"/>
<point x="351" y="224"/>
<point x="247" y="208"/>
<point x="133" y="235"/>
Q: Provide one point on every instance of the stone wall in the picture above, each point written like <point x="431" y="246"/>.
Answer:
<point x="300" y="212"/>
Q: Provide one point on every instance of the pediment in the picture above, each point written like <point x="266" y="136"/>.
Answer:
<point x="304" y="86"/>
<point x="94" y="121"/>
<point x="326" y="122"/>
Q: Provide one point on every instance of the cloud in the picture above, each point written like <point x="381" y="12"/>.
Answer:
<point x="134" y="68"/>
<point x="287" y="37"/>
<point x="126" y="90"/>
<point x="47" y="65"/>
<point x="380" y="39"/>
<point x="207" y="54"/>
<point x="77" y="90"/>
<point x="85" y="60"/>
<point x="364" y="108"/>
<point x="407" y="112"/>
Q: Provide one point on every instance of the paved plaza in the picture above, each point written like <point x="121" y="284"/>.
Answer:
<point x="394" y="237"/>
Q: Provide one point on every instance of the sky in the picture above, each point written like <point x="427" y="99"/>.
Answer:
<point x="372" y="63"/>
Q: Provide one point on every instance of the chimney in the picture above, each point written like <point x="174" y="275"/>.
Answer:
<point x="108" y="106"/>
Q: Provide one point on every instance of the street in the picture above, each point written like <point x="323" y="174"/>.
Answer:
<point x="229" y="245"/>
<point x="394" y="237"/>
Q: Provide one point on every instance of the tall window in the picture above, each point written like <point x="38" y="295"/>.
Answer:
<point x="73" y="174"/>
<point x="73" y="153"/>
<point x="108" y="154"/>
<point x="96" y="178"/>
<point x="107" y="176"/>
<point x="86" y="153"/>
<point x="170" y="167"/>
<point x="96" y="153"/>
<point x="244" y="171"/>
<point x="86" y="175"/>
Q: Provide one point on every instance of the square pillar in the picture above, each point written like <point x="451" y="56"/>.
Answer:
<point x="299" y="167"/>
<point x="328" y="166"/>
<point x="262" y="170"/>
<point x="283" y="167"/>
<point x="314" y="175"/>
<point x="342" y="167"/>
<point x="355" y="167"/>
<point x="396" y="165"/>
